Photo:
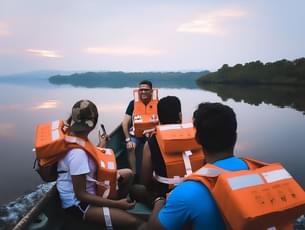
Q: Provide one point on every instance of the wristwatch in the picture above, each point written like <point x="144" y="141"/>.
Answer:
<point x="127" y="139"/>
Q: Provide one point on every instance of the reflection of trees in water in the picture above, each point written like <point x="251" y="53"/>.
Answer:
<point x="281" y="96"/>
<point x="121" y="79"/>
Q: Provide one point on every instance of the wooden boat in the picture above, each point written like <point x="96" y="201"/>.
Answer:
<point x="48" y="214"/>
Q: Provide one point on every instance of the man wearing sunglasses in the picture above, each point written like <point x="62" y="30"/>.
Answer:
<point x="143" y="105"/>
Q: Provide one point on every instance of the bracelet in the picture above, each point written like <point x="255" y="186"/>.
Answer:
<point x="157" y="199"/>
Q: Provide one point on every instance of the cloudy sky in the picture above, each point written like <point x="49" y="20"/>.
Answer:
<point x="145" y="35"/>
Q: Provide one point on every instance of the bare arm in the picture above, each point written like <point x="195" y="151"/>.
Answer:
<point x="79" y="186"/>
<point x="125" y="124"/>
<point x="147" y="169"/>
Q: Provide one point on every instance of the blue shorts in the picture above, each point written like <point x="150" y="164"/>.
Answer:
<point x="138" y="140"/>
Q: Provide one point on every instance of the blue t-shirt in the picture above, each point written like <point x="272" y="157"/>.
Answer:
<point x="130" y="108"/>
<point x="191" y="202"/>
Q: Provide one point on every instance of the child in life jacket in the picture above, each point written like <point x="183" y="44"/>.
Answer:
<point x="79" y="170"/>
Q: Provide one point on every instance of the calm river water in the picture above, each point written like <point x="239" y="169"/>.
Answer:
<point x="268" y="129"/>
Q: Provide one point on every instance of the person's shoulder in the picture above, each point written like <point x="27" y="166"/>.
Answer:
<point x="76" y="153"/>
<point x="189" y="190"/>
<point x="130" y="107"/>
<point x="131" y="102"/>
<point x="233" y="164"/>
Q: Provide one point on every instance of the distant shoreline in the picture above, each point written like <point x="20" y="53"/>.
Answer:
<point x="282" y="73"/>
<point x="122" y="79"/>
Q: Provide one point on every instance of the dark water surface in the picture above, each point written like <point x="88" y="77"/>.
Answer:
<point x="271" y="123"/>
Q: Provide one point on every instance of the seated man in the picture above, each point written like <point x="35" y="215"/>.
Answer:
<point x="144" y="104"/>
<point x="191" y="202"/>
<point x="163" y="168"/>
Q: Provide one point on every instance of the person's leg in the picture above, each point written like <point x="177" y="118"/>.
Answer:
<point x="119" y="218"/>
<point x="125" y="181"/>
<point x="132" y="155"/>
<point x="139" y="193"/>
<point x="132" y="160"/>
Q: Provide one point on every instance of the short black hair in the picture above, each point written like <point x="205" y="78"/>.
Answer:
<point x="216" y="127"/>
<point x="146" y="82"/>
<point x="169" y="109"/>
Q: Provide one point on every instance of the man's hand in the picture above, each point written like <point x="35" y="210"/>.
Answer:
<point x="130" y="145"/>
<point x="102" y="139"/>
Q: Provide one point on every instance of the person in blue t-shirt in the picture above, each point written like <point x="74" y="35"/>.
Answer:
<point x="191" y="204"/>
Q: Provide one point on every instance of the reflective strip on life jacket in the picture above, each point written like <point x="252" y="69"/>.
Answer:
<point x="75" y="140"/>
<point x="187" y="163"/>
<point x="175" y="126"/>
<point x="210" y="172"/>
<point x="165" y="180"/>
<point x="55" y="134"/>
<point x="245" y="181"/>
<point x="276" y="175"/>
<point x="55" y="126"/>
<point x="110" y="164"/>
<point x="107" y="217"/>
<point x="248" y="180"/>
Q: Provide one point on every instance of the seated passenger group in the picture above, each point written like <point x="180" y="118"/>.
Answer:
<point x="180" y="162"/>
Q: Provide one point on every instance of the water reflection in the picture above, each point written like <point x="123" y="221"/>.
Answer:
<point x="265" y="132"/>
<point x="281" y="96"/>
<point x="7" y="130"/>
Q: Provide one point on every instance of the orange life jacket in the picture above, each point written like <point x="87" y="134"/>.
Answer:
<point x="180" y="151"/>
<point x="145" y="117"/>
<point x="265" y="197"/>
<point x="52" y="144"/>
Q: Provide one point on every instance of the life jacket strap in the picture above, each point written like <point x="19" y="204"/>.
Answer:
<point x="148" y="132"/>
<point x="105" y="184"/>
<point x="165" y="180"/>
<point x="55" y="130"/>
<point x="187" y="163"/>
<point x="107" y="218"/>
<point x="75" y="140"/>
<point x="209" y="172"/>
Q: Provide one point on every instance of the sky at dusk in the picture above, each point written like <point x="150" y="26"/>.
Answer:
<point x="159" y="35"/>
